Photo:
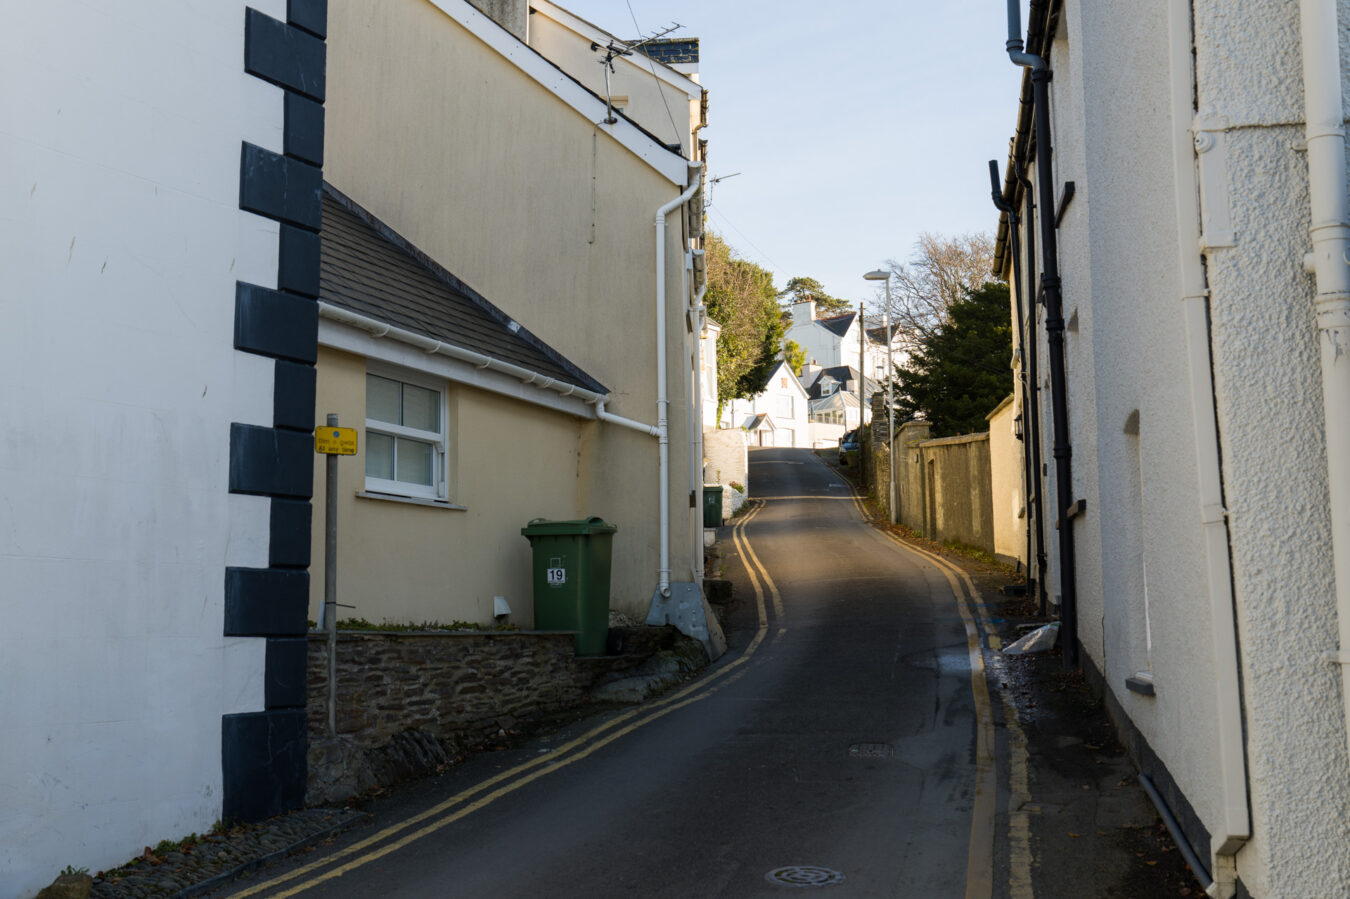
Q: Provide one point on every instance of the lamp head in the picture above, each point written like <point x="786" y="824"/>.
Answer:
<point x="877" y="275"/>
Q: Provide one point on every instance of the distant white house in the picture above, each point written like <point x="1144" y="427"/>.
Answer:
<point x="707" y="361"/>
<point x="835" y="340"/>
<point x="778" y="415"/>
<point x="833" y="394"/>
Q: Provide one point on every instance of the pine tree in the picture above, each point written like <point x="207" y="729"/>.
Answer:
<point x="959" y="371"/>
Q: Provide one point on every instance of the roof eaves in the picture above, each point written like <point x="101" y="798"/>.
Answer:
<point x="581" y="26"/>
<point x="671" y="164"/>
<point x="1042" y="23"/>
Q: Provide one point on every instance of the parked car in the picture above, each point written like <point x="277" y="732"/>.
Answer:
<point x="848" y="444"/>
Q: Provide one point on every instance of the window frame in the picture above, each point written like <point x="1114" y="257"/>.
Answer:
<point x="439" y="489"/>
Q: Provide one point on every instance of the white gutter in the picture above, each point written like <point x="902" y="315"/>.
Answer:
<point x="1235" y="827"/>
<point x="662" y="381"/>
<point x="431" y="345"/>
<point x="1330" y="262"/>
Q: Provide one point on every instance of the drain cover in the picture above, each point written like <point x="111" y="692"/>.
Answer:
<point x="871" y="751"/>
<point x="804" y="876"/>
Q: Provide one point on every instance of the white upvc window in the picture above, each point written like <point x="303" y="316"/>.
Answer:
<point x="405" y="436"/>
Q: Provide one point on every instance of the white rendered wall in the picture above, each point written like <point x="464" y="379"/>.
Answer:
<point x="1133" y="427"/>
<point x="1268" y="390"/>
<point x="1141" y="559"/>
<point x="119" y="181"/>
<point x="824" y="347"/>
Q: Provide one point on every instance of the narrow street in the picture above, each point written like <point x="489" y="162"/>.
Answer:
<point x="840" y="742"/>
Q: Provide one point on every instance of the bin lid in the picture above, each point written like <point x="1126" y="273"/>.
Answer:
<point x="543" y="527"/>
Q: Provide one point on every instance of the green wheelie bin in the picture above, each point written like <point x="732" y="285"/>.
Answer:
<point x="571" y="578"/>
<point x="712" y="505"/>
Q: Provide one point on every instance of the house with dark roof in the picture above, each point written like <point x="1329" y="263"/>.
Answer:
<point x="833" y="399"/>
<point x="502" y="321"/>
<point x="839" y="340"/>
<point x="777" y="415"/>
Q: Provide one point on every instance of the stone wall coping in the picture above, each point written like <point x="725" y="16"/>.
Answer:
<point x="953" y="441"/>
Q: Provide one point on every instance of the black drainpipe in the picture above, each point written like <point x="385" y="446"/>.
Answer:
<point x="1010" y="210"/>
<point x="1034" y="375"/>
<point x="1054" y="327"/>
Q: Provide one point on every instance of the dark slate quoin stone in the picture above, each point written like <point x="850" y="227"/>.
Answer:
<point x="283" y="54"/>
<point x="311" y="15"/>
<point x="284" y="685"/>
<point x="263" y="763"/>
<point x="280" y="188"/>
<point x="266" y="602"/>
<point x="271" y="461"/>
<point x="291" y="520"/>
<point x="303" y="132"/>
<point x="300" y="256"/>
<point x="293" y="396"/>
<point x="273" y="323"/>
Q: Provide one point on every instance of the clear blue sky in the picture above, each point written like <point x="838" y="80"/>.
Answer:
<point x="857" y="126"/>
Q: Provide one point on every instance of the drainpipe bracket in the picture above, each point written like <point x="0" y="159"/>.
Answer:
<point x="1213" y="513"/>
<point x="1337" y="657"/>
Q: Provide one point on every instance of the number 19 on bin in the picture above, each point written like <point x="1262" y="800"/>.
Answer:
<point x="557" y="577"/>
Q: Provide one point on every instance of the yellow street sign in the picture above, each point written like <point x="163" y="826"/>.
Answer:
<point x="335" y="441"/>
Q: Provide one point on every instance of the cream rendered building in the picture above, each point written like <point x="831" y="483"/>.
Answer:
<point x="1197" y="182"/>
<point x="497" y="175"/>
<point x="665" y="100"/>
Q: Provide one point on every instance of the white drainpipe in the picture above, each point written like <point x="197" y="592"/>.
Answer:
<point x="1330" y="262"/>
<point x="696" y="431"/>
<point x="1236" y="826"/>
<point x="662" y="387"/>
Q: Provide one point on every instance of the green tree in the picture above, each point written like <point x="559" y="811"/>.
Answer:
<point x="801" y="289"/>
<point x="742" y="299"/>
<point x="959" y="371"/>
<point x="795" y="356"/>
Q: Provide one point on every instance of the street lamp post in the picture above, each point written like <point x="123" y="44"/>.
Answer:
<point x="881" y="275"/>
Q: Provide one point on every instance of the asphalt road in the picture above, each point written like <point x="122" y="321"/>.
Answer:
<point x="841" y="740"/>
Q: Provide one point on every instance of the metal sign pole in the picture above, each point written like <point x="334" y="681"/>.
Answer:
<point x="330" y="581"/>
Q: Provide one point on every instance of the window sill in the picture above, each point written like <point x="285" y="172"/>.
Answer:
<point x="412" y="501"/>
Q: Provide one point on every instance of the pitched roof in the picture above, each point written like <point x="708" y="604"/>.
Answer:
<point x="838" y="324"/>
<point x="759" y="421"/>
<point x="878" y="334"/>
<point x="368" y="268"/>
<point x="843" y="374"/>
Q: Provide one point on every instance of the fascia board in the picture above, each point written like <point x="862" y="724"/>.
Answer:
<point x="598" y="35"/>
<point x="338" y="336"/>
<point x="671" y="166"/>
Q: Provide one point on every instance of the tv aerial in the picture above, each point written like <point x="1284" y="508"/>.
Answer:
<point x="712" y="182"/>
<point x="616" y="48"/>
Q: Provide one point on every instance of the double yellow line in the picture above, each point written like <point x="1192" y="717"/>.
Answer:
<point x="466" y="802"/>
<point x="980" y="853"/>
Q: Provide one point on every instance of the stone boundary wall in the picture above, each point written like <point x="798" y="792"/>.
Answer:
<point x="408" y="702"/>
<point x="945" y="486"/>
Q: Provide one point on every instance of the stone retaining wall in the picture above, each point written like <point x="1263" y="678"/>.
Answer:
<point x="408" y="702"/>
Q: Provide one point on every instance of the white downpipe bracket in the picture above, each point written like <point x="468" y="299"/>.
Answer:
<point x="1330" y="233"/>
<point x="1235" y="827"/>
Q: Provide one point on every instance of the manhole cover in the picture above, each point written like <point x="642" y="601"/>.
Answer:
<point x="804" y="876"/>
<point x="871" y="751"/>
